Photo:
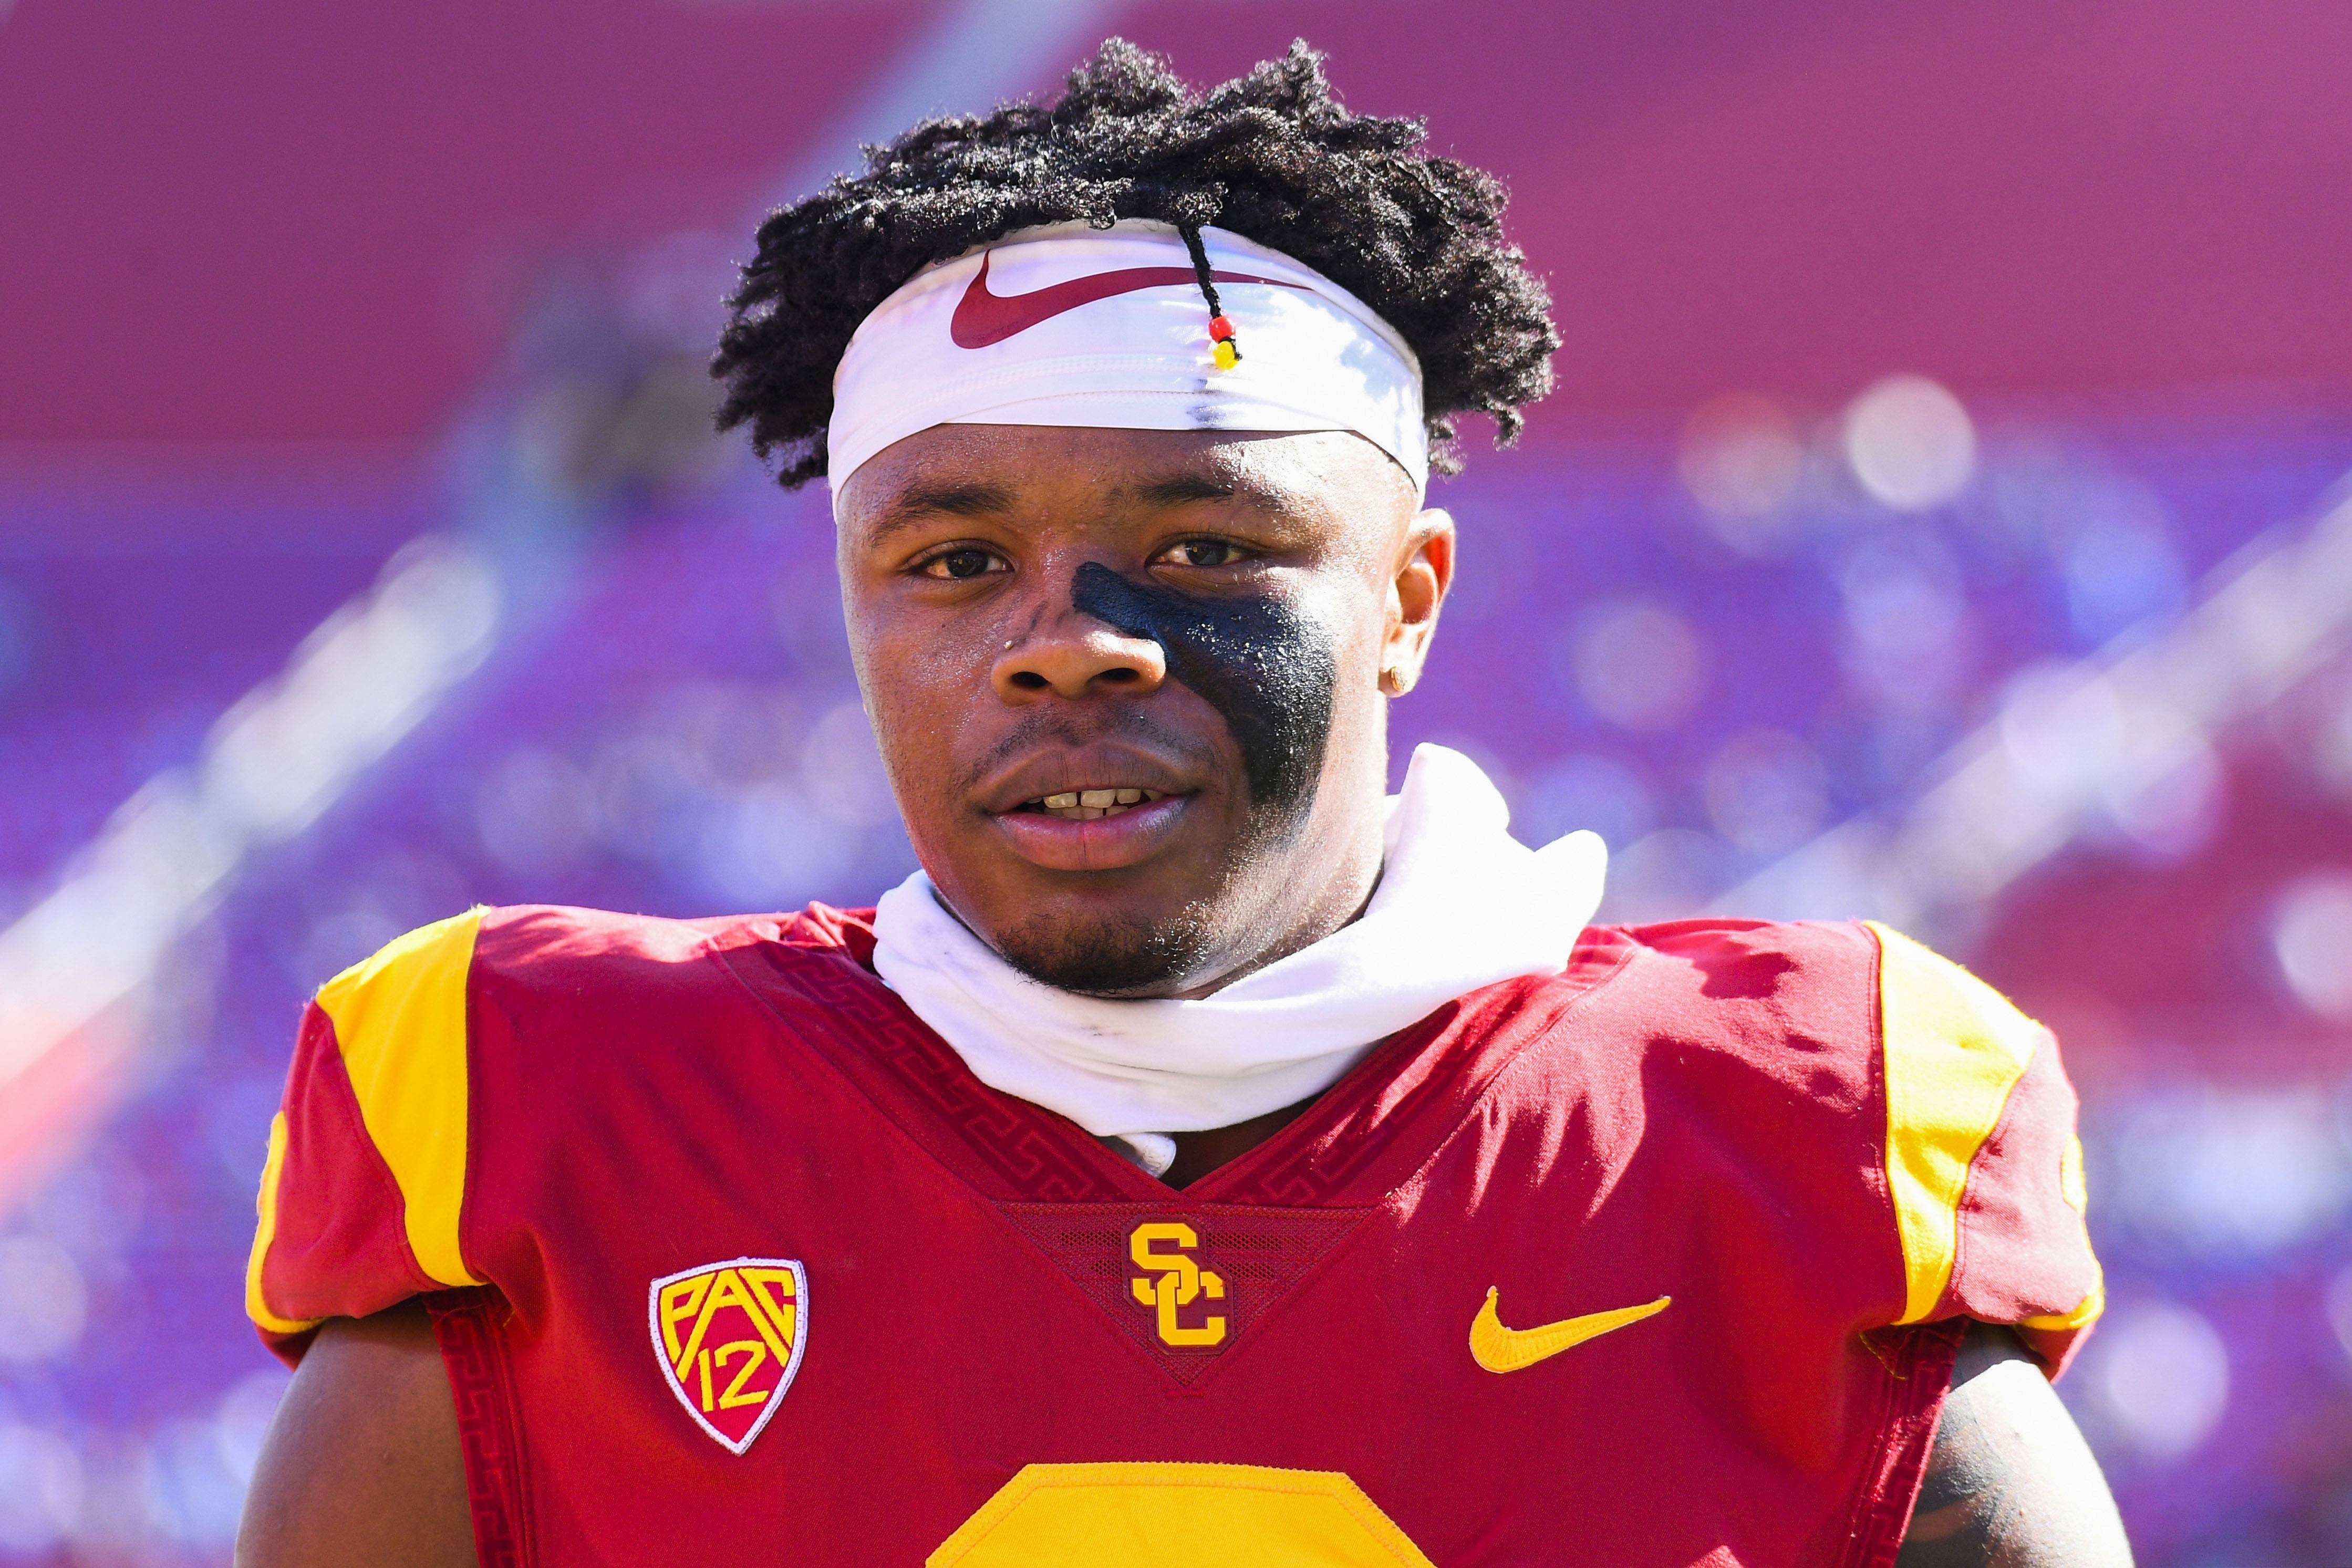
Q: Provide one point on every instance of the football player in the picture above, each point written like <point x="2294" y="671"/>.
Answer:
<point x="1205" y="1158"/>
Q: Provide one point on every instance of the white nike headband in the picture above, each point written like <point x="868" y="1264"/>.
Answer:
<point x="1108" y="328"/>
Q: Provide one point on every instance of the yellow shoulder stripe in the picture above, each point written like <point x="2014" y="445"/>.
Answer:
<point x="400" y="1021"/>
<point x="1954" y="1050"/>
<point x="264" y="1233"/>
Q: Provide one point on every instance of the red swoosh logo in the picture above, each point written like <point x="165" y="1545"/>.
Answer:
<point x="982" y="317"/>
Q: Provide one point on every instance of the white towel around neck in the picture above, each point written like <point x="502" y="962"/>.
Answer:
<point x="1461" y="904"/>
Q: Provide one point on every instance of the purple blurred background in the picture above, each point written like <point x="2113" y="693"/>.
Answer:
<point x="1939" y="520"/>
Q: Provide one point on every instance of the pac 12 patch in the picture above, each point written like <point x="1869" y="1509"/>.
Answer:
<point x="729" y="1337"/>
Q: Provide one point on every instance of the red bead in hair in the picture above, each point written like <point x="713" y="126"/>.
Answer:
<point x="1219" y="329"/>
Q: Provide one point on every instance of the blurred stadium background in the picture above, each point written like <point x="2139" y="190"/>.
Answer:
<point x="1939" y="520"/>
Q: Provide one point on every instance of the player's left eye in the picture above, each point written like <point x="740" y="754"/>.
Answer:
<point x="1200" y="552"/>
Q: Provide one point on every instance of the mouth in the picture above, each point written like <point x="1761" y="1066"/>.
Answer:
<point x="1092" y="805"/>
<point x="1097" y="828"/>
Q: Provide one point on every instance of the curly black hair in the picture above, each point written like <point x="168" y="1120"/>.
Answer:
<point x="1271" y="155"/>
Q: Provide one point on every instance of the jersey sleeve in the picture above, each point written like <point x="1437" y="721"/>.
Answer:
<point x="365" y="1177"/>
<point x="1983" y="1166"/>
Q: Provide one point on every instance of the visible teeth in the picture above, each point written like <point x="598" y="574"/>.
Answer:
<point x="1085" y="805"/>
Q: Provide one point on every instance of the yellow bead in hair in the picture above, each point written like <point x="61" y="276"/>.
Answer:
<point x="1227" y="355"/>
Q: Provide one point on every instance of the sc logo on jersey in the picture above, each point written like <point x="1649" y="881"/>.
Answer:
<point x="729" y="1336"/>
<point x="1173" y="1281"/>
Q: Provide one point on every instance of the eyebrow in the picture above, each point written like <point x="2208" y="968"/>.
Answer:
<point x="1176" y="490"/>
<point x="953" y="500"/>
<point x="1183" y="488"/>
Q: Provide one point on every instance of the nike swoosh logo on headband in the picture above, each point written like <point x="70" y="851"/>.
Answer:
<point x="982" y="317"/>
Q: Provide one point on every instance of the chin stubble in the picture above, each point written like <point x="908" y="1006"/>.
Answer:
<point x="1110" y="957"/>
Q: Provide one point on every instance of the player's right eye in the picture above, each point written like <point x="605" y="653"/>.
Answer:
<point x="961" y="564"/>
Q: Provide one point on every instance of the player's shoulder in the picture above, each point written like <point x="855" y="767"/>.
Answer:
<point x="1816" y="982"/>
<point x="1777" y="962"/>
<point x="1851" y="1018"/>
<point x="566" y="950"/>
<point x="513" y="966"/>
<point x="400" y="1120"/>
<point x="1745" y="988"/>
<point x="1907" y="1109"/>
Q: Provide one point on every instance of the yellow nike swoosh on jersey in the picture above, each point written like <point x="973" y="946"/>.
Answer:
<point x="1498" y="1349"/>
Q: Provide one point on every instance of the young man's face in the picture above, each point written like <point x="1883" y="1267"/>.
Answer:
<point x="1201" y="622"/>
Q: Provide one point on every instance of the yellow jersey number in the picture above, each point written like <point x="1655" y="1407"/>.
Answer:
<point x="1204" y="1516"/>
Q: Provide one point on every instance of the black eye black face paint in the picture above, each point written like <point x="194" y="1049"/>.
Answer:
<point x="1262" y="662"/>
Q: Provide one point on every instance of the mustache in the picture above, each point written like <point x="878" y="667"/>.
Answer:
<point x="1063" y="727"/>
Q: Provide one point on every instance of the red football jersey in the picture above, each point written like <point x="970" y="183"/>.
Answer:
<point x="1658" y="1261"/>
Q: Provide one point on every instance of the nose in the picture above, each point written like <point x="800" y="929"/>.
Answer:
<point x="1069" y="654"/>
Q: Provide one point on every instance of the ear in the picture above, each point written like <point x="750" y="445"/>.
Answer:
<point x="1424" y="572"/>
